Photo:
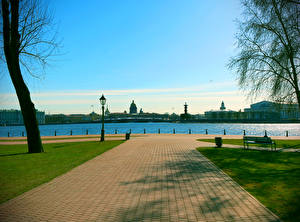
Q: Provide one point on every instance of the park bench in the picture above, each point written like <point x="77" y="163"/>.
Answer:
<point x="258" y="140"/>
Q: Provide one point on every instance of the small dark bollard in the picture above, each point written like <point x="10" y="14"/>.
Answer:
<point x="116" y="132"/>
<point x="218" y="141"/>
<point x="206" y="132"/>
<point x="173" y="131"/>
<point x="287" y="133"/>
<point x="87" y="132"/>
<point x="71" y="133"/>
<point x="22" y="134"/>
<point x="127" y="136"/>
<point x="158" y="131"/>
<point x="144" y="131"/>
<point x="190" y="131"/>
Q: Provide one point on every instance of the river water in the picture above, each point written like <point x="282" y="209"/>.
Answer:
<point x="194" y="128"/>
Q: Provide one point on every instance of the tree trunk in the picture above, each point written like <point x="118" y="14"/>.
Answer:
<point x="298" y="98"/>
<point x="28" y="110"/>
<point x="297" y="90"/>
<point x="11" y="39"/>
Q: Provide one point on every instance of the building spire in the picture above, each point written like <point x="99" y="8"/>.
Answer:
<point x="222" y="106"/>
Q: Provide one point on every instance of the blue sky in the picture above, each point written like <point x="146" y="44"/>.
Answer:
<point x="159" y="53"/>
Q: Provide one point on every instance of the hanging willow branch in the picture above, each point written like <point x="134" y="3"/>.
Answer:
<point x="268" y="40"/>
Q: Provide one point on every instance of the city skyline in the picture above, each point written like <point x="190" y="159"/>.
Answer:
<point x="89" y="100"/>
<point x="161" y="54"/>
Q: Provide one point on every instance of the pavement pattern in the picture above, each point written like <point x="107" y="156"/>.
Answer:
<point x="152" y="178"/>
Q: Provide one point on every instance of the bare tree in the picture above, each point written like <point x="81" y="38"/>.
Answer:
<point x="268" y="61"/>
<point x="26" y="43"/>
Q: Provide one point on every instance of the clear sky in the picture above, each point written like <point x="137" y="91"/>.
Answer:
<point x="159" y="53"/>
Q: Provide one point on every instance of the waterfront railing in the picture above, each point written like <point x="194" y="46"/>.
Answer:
<point x="93" y="131"/>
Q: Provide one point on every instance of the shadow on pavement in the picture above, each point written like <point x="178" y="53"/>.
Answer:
<point x="187" y="181"/>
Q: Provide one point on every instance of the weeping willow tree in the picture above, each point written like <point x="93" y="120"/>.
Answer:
<point x="268" y="42"/>
<point x="27" y="44"/>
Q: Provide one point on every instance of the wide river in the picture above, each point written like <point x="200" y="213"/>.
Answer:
<point x="194" y="128"/>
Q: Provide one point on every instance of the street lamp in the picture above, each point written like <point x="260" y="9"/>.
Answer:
<point x="102" y="102"/>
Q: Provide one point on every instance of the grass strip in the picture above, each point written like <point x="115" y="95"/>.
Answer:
<point x="286" y="144"/>
<point x="20" y="171"/>
<point x="272" y="177"/>
<point x="65" y="138"/>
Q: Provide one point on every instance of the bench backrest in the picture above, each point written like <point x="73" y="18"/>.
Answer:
<point x="258" y="139"/>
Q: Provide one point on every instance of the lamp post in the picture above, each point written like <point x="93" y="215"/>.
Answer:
<point x="102" y="102"/>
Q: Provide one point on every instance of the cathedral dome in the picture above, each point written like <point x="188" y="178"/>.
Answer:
<point x="133" y="108"/>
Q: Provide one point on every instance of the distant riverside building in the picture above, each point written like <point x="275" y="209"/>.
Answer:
<point x="14" y="117"/>
<point x="266" y="110"/>
<point x="137" y="117"/>
<point x="261" y="111"/>
<point x="107" y="111"/>
<point x="222" y="106"/>
<point x="56" y="118"/>
<point x="72" y="118"/>
<point x="40" y="117"/>
<point x="222" y="114"/>
<point x="133" y="108"/>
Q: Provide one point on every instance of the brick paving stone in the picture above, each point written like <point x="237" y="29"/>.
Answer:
<point x="153" y="178"/>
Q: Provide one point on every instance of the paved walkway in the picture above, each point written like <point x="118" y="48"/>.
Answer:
<point x="154" y="178"/>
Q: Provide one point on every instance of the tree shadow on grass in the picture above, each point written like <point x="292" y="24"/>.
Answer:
<point x="58" y="146"/>
<point x="291" y="146"/>
<point x="14" y="154"/>
<point x="270" y="176"/>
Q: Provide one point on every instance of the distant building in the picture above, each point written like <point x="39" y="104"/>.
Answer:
<point x="142" y="116"/>
<point x="56" y="118"/>
<point x="133" y="108"/>
<point x="40" y="116"/>
<point x="266" y="110"/>
<point x="107" y="111"/>
<point x="222" y="114"/>
<point x="14" y="117"/>
<point x="77" y="118"/>
<point x="94" y="116"/>
<point x="72" y="118"/>
<point x="174" y="117"/>
<point x="199" y="116"/>
<point x="222" y="106"/>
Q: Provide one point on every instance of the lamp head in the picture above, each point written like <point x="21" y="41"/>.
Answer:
<point x="102" y="100"/>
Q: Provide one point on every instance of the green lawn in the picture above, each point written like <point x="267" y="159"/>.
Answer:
<point x="65" y="138"/>
<point x="272" y="177"/>
<point x="54" y="138"/>
<point x="279" y="143"/>
<point x="20" y="171"/>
